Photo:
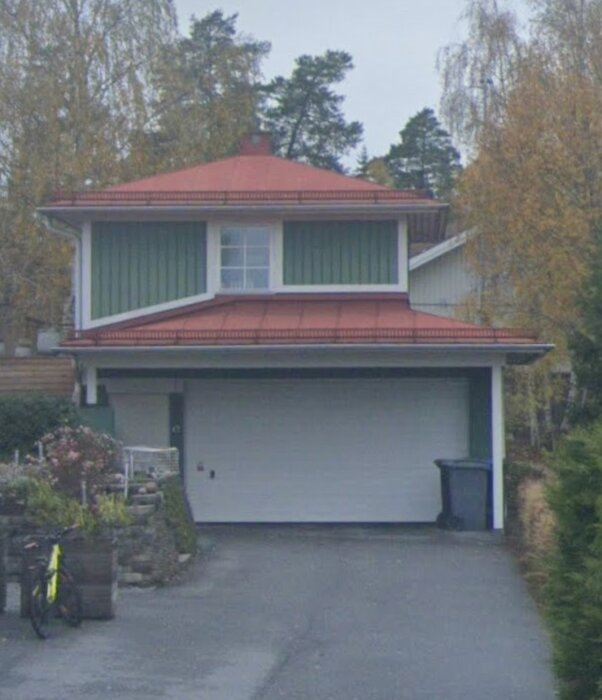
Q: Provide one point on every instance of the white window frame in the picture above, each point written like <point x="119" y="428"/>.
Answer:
<point x="213" y="271"/>
<point x="402" y="269"/>
<point x="271" y="230"/>
<point x="87" y="322"/>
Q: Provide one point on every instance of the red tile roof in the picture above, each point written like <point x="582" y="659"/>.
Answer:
<point x="257" y="181"/>
<point x="250" y="173"/>
<point x="244" y="178"/>
<point x="293" y="319"/>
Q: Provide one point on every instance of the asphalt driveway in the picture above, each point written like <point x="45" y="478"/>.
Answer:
<point x="304" y="613"/>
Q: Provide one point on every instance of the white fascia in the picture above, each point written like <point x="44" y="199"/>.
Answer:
<point x="266" y="356"/>
<point x="236" y="212"/>
<point x="83" y="272"/>
<point x="278" y="285"/>
<point x="86" y="276"/>
<point x="89" y="323"/>
<point x="402" y="254"/>
<point x="497" y="444"/>
<point x="146" y="311"/>
<point x="438" y="250"/>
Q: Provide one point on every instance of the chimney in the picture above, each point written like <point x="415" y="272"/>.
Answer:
<point x="258" y="143"/>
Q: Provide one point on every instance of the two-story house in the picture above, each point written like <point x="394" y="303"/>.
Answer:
<point x="254" y="313"/>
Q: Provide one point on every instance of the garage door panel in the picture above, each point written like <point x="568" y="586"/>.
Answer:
<point x="335" y="450"/>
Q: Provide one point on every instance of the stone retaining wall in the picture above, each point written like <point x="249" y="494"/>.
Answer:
<point x="147" y="553"/>
<point x="146" y="549"/>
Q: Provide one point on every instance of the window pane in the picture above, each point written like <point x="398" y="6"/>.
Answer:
<point x="257" y="279"/>
<point x="257" y="236"/>
<point x="258" y="257"/>
<point x="232" y="279"/>
<point x="232" y="257"/>
<point x="232" y="236"/>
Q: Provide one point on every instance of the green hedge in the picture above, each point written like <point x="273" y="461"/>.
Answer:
<point x="24" y="418"/>
<point x="178" y="516"/>
<point x="573" y="595"/>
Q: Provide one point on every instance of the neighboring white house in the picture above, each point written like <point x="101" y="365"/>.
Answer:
<point x="440" y="280"/>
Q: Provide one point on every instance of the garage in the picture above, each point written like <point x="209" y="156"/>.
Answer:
<point x="321" y="450"/>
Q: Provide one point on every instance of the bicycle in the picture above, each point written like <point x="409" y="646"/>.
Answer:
<point x="53" y="592"/>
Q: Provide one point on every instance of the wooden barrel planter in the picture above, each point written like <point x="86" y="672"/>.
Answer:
<point x="93" y="564"/>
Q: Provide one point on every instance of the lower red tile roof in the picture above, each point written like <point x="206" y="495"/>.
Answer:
<point x="296" y="319"/>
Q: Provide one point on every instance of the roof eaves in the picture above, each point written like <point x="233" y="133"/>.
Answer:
<point x="515" y="354"/>
<point x="437" y="251"/>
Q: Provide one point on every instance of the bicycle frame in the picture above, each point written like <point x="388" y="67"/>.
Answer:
<point x="53" y="573"/>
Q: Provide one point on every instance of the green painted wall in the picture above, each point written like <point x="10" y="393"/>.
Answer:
<point x="340" y="252"/>
<point x="99" y="418"/>
<point x="141" y="264"/>
<point x="480" y="414"/>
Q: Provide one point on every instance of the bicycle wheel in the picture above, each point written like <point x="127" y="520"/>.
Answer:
<point x="69" y="601"/>
<point x="39" y="608"/>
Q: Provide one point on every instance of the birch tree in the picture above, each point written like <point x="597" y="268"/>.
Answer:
<point x="533" y="192"/>
<point x="75" y="79"/>
<point x="478" y="73"/>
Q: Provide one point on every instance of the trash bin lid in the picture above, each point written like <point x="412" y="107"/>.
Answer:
<point x="466" y="463"/>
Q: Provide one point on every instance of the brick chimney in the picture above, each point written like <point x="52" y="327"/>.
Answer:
<point x="258" y="143"/>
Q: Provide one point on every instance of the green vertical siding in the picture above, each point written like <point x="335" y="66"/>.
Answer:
<point x="480" y="414"/>
<point x="141" y="264"/>
<point x="99" y="418"/>
<point x="340" y="252"/>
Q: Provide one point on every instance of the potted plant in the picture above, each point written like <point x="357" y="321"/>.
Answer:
<point x="71" y="488"/>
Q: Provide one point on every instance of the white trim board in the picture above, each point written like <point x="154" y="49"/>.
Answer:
<point x="267" y="357"/>
<point x="439" y="250"/>
<point x="213" y="233"/>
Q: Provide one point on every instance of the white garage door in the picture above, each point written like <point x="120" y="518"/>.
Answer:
<point x="343" y="450"/>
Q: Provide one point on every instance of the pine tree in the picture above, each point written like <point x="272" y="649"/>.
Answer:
<point x="425" y="158"/>
<point x="304" y="114"/>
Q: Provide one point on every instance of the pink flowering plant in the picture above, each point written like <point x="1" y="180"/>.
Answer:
<point x="81" y="460"/>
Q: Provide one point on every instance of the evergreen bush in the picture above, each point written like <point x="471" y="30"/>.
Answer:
<point x="25" y="418"/>
<point x="573" y="594"/>
<point x="178" y="516"/>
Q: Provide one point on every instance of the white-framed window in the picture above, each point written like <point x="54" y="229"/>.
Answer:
<point x="244" y="258"/>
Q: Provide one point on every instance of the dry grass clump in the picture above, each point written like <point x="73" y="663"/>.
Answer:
<point x="536" y="527"/>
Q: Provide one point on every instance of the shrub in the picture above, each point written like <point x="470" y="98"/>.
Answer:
<point x="178" y="517"/>
<point x="15" y="482"/>
<point x="47" y="506"/>
<point x="76" y="455"/>
<point x="574" y="589"/>
<point x="25" y="418"/>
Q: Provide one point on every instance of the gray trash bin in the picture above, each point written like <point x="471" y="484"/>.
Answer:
<point x="465" y="494"/>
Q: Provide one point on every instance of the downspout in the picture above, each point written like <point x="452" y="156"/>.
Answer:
<point x="73" y="235"/>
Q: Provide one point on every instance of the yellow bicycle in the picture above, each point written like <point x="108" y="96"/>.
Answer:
<point x="53" y="591"/>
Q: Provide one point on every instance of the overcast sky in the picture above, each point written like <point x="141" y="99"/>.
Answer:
<point x="394" y="44"/>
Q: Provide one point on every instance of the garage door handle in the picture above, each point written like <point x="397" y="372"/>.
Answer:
<point x="212" y="474"/>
